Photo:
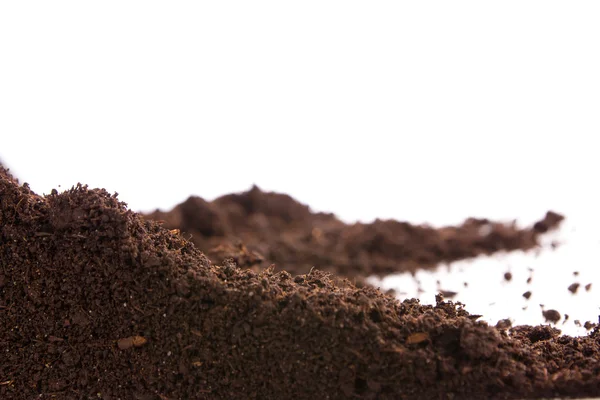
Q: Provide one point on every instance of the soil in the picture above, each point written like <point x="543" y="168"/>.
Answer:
<point x="589" y="325"/>
<point x="573" y="287"/>
<point x="527" y="294"/>
<point x="98" y="302"/>
<point x="551" y="316"/>
<point x="504" y="324"/>
<point x="258" y="229"/>
<point x="448" y="294"/>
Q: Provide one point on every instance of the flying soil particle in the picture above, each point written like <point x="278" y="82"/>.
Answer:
<point x="589" y="325"/>
<point x="508" y="276"/>
<point x="573" y="287"/>
<point x="448" y="294"/>
<point x="551" y="316"/>
<point x="527" y="294"/>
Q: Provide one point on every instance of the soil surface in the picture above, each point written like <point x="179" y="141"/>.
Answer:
<point x="97" y="302"/>
<point x="258" y="229"/>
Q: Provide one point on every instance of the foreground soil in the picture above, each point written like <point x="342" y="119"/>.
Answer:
<point x="96" y="302"/>
<point x="257" y="229"/>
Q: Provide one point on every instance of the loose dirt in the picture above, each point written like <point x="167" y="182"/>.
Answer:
<point x="258" y="229"/>
<point x="97" y="302"/>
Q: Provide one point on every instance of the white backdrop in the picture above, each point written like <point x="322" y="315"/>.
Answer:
<point x="423" y="111"/>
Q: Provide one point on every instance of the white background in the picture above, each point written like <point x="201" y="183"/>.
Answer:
<point x="427" y="111"/>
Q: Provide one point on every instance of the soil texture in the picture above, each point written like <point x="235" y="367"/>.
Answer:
<point x="98" y="302"/>
<point x="258" y="229"/>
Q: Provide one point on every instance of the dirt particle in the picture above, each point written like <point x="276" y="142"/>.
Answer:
<point x="448" y="294"/>
<point x="132" y="341"/>
<point x="508" y="276"/>
<point x="573" y="287"/>
<point x="504" y="324"/>
<point x="416" y="338"/>
<point x="527" y="294"/>
<point x="551" y="315"/>
<point x="551" y="219"/>
<point x="588" y="287"/>
<point x="589" y="325"/>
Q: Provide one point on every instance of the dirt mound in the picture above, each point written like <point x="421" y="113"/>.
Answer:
<point x="257" y="229"/>
<point x="96" y="302"/>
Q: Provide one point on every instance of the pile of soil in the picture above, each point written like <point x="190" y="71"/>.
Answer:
<point x="257" y="229"/>
<point x="97" y="302"/>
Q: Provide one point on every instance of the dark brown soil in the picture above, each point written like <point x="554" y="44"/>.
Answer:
<point x="590" y="325"/>
<point x="573" y="287"/>
<point x="551" y="316"/>
<point x="257" y="229"/>
<point x="504" y="324"/>
<point x="527" y="294"/>
<point x="96" y="302"/>
<point x="448" y="294"/>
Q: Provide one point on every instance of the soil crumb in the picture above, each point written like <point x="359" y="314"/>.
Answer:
<point x="589" y="325"/>
<point x="527" y="294"/>
<point x="573" y="287"/>
<point x="551" y="316"/>
<point x="257" y="229"/>
<point x="588" y="287"/>
<point x="504" y="324"/>
<point x="97" y="302"/>
<point x="448" y="294"/>
<point x="507" y="276"/>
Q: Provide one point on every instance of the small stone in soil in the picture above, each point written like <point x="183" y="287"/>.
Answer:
<point x="416" y="338"/>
